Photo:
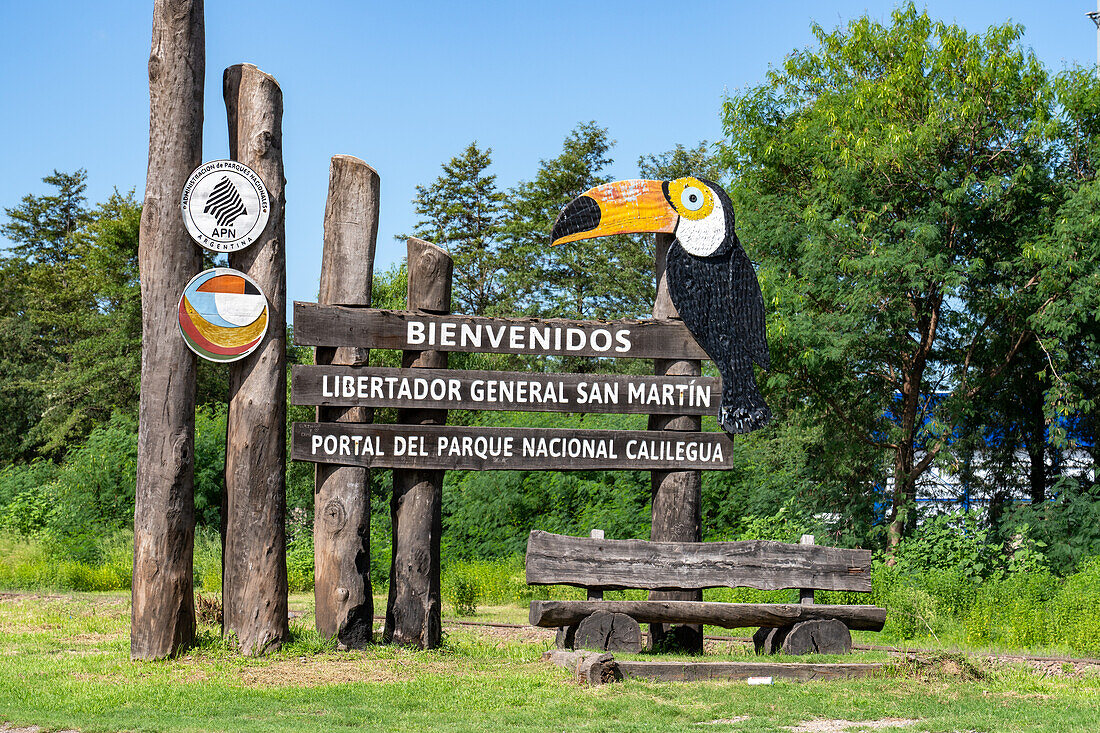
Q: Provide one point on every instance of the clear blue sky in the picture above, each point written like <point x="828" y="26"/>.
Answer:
<point x="405" y="86"/>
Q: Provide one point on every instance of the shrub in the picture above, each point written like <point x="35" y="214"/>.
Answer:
<point x="208" y="559"/>
<point x="299" y="563"/>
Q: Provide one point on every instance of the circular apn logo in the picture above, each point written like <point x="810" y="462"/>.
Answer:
<point x="222" y="315"/>
<point x="225" y="205"/>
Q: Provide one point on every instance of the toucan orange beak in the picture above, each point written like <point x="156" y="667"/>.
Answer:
<point x="622" y="207"/>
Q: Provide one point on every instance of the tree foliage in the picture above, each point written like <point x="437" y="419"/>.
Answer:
<point x="610" y="277"/>
<point x="70" y="319"/>
<point x="900" y="184"/>
<point x="461" y="212"/>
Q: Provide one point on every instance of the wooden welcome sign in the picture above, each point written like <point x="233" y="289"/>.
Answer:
<point x="724" y="323"/>
<point x="472" y="448"/>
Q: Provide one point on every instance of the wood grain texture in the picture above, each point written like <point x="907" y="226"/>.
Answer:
<point x="336" y="443"/>
<point x="825" y="636"/>
<point x="609" y="632"/>
<point x="163" y="608"/>
<point x="341" y="500"/>
<point x="328" y="325"/>
<point x="730" y="615"/>
<point x="473" y="389"/>
<point x="414" y="606"/>
<point x="699" y="671"/>
<point x="254" y="581"/>
<point x="676" y="497"/>
<point x="554" y="559"/>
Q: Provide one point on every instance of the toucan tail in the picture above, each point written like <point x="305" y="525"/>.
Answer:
<point x="744" y="412"/>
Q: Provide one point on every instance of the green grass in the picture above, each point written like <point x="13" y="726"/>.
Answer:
<point x="64" y="662"/>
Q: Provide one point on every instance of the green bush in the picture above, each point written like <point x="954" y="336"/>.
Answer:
<point x="465" y="591"/>
<point x="299" y="564"/>
<point x="208" y="559"/>
<point x="28" y="565"/>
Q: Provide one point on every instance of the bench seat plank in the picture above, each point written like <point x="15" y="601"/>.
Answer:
<point x="729" y="615"/>
<point x="554" y="559"/>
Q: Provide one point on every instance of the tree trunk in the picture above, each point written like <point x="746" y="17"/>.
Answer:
<point x="254" y="582"/>
<point x="1036" y="442"/>
<point x="677" y="496"/>
<point x="413" y="613"/>
<point x="163" y="610"/>
<point x="341" y="500"/>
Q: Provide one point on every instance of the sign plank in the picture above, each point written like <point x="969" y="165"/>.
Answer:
<point x="332" y="325"/>
<point x="454" y="389"/>
<point x="486" y="449"/>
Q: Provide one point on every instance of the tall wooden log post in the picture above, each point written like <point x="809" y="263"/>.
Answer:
<point x="676" y="495"/>
<point x="341" y="499"/>
<point x="413" y="612"/>
<point x="163" y="610"/>
<point x="254" y="582"/>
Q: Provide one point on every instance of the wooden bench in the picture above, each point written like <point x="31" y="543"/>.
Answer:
<point x="600" y="565"/>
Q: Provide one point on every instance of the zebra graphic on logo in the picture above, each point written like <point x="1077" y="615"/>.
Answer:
<point x="225" y="203"/>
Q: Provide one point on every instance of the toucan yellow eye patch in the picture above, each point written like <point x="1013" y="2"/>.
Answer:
<point x="691" y="198"/>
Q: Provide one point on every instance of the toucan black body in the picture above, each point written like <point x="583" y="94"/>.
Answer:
<point x="710" y="278"/>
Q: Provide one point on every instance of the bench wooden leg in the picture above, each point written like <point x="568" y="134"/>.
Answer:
<point x="565" y="636"/>
<point x="676" y="638"/>
<point x="604" y="631"/>
<point x="806" y="637"/>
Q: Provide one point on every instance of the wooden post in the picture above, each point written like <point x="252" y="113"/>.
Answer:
<point x="413" y="614"/>
<point x="163" y="609"/>
<point x="254" y="582"/>
<point x="676" y="495"/>
<point x="595" y="594"/>
<point x="806" y="595"/>
<point x="341" y="499"/>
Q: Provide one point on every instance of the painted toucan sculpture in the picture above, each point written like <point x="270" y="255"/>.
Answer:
<point x="710" y="278"/>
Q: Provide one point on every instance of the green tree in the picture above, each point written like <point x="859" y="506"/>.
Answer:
<point x="701" y="161"/>
<point x="602" y="278"/>
<point x="41" y="227"/>
<point x="898" y="184"/>
<point x="461" y="211"/>
<point x="70" y="317"/>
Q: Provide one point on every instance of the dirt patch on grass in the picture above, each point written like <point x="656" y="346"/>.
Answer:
<point x="942" y="666"/>
<point x="319" y="671"/>
<point x="1051" y="668"/>
<point x="526" y="634"/>
<point x="842" y="726"/>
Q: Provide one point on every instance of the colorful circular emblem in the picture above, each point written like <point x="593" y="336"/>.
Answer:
<point x="222" y="314"/>
<point x="225" y="205"/>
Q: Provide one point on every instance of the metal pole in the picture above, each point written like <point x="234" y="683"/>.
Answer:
<point x="1094" y="16"/>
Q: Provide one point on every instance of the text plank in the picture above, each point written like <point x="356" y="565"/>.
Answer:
<point x="479" y="449"/>
<point x="332" y="325"/>
<point x="454" y="389"/>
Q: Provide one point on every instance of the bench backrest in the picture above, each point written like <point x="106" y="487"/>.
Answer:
<point x="554" y="559"/>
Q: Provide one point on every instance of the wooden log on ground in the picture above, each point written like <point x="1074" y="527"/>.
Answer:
<point x="254" y="582"/>
<point x="700" y="671"/>
<point x="327" y="325"/>
<point x="566" y="637"/>
<point x="610" y="632"/>
<point x="163" y="608"/>
<point x="676" y="496"/>
<point x="825" y="636"/>
<point x="341" y="499"/>
<point x="730" y="615"/>
<point x="414" y="605"/>
<point x="554" y="559"/>
<point x="767" y="640"/>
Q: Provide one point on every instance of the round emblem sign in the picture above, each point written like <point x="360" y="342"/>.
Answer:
<point x="222" y="315"/>
<point x="225" y="205"/>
